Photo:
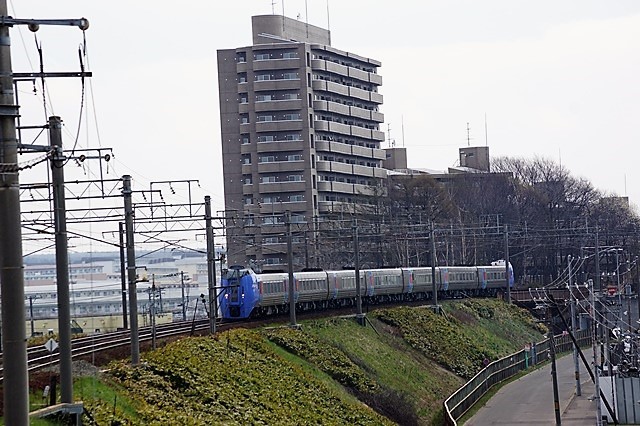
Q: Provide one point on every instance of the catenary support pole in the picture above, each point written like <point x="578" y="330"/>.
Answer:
<point x="356" y="248"/>
<point x="554" y="374"/>
<point x="594" y="337"/>
<point x="434" y="285"/>
<point x="131" y="269"/>
<point x="576" y="362"/>
<point x="62" y="259"/>
<point x="292" y="283"/>
<point x="507" y="272"/>
<point x="184" y="304"/>
<point x="211" y="266"/>
<point x="14" y="329"/>
<point x="123" y="277"/>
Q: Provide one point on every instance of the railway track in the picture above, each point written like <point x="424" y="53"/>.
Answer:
<point x="38" y="357"/>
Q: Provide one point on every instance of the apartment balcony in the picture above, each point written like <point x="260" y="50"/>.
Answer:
<point x="284" y="105"/>
<point x="280" y="146"/>
<point x="276" y="126"/>
<point x="276" y="64"/>
<point x="281" y="166"/>
<point x="282" y="187"/>
<point x="270" y="85"/>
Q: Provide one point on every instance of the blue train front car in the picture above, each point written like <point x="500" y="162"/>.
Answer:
<point x="240" y="293"/>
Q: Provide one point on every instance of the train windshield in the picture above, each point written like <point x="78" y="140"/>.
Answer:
<point x="233" y="277"/>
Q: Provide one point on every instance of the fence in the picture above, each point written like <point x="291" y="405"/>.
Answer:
<point x="464" y="398"/>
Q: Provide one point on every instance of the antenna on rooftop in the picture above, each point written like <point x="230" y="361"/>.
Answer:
<point x="468" y="135"/>
<point x="402" y="121"/>
<point x="273" y="7"/>
<point x="306" y="15"/>
<point x="486" y="139"/>
<point x="328" y="23"/>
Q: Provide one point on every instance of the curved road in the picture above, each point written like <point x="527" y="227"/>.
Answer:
<point x="529" y="400"/>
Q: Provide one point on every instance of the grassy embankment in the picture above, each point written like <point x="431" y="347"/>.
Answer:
<point x="398" y="369"/>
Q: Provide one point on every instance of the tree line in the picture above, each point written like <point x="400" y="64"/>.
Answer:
<point x="536" y="206"/>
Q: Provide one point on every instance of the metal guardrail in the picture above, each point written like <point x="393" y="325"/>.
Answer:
<point x="468" y="394"/>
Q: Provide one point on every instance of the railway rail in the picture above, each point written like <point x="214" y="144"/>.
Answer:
<point x="38" y="357"/>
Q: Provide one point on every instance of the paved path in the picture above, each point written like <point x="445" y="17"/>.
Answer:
<point x="529" y="400"/>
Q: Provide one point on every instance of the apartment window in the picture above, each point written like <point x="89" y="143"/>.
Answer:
<point x="267" y="159"/>
<point x="246" y="159"/>
<point x="242" y="77"/>
<point x="244" y="119"/>
<point x="262" y="118"/>
<point x="295" y="178"/>
<point x="266" y="138"/>
<point x="290" y="55"/>
<point x="245" y="140"/>
<point x="290" y="76"/>
<point x="248" y="201"/>
<point x="269" y="200"/>
<point x="294" y="157"/>
<point x="263" y="77"/>
<point x="293" y="137"/>
<point x="262" y="56"/>
<point x="296" y="198"/>
<point x="241" y="57"/>
<point x="270" y="240"/>
<point x="297" y="218"/>
<point x="243" y="98"/>
<point x="267" y="179"/>
<point x="248" y="180"/>
<point x="290" y="96"/>
<point x="263" y="98"/>
<point x="290" y="117"/>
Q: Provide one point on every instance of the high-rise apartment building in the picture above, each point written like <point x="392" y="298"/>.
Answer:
<point x="300" y="137"/>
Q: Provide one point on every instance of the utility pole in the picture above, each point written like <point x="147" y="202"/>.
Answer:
<point x="14" y="345"/>
<point x="184" y="305"/>
<point x="131" y="269"/>
<point x="211" y="267"/>
<point x="434" y="286"/>
<point x="356" y="248"/>
<point x="554" y="374"/>
<point x="152" y="310"/>
<point x="573" y="330"/>
<point x="123" y="278"/>
<point x="594" y="339"/>
<point x="507" y="274"/>
<point x="62" y="259"/>
<point x="292" y="301"/>
<point x="33" y="329"/>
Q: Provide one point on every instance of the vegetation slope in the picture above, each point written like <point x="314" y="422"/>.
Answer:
<point x="397" y="369"/>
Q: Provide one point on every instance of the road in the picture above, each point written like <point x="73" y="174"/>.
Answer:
<point x="529" y="400"/>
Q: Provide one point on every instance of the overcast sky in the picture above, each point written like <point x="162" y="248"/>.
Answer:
<point x="558" y="79"/>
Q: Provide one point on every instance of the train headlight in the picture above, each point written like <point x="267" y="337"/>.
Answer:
<point x="226" y="296"/>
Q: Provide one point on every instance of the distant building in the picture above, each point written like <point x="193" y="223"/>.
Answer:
<point x="46" y="274"/>
<point x="300" y="134"/>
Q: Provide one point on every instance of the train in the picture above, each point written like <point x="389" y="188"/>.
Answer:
<point x="245" y="294"/>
